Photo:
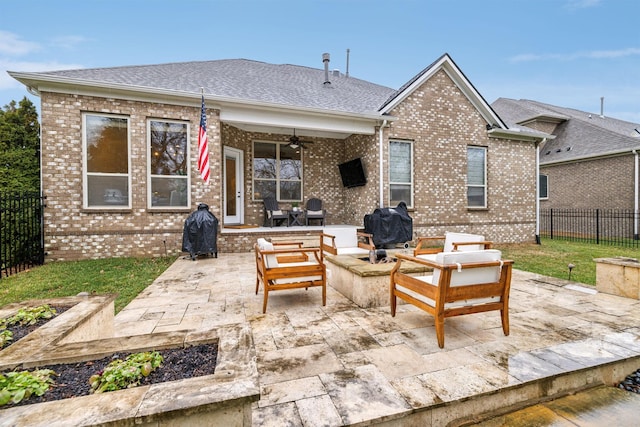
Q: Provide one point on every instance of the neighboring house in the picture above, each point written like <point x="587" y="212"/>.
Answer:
<point x="119" y="149"/>
<point x="592" y="161"/>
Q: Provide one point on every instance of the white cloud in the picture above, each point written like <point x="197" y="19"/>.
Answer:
<point x="8" y="82"/>
<point x="12" y="44"/>
<point x="582" y="4"/>
<point x="68" y="42"/>
<point x="595" y="54"/>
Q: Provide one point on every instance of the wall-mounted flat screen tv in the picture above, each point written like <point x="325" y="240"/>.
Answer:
<point x="352" y="173"/>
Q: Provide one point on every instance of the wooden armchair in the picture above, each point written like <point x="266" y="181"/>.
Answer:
<point x="346" y="241"/>
<point x="461" y="283"/>
<point x="288" y="268"/>
<point x="453" y="242"/>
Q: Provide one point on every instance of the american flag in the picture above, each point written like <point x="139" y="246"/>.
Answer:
<point x="203" y="146"/>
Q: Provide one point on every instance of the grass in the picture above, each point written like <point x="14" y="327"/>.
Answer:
<point x="552" y="257"/>
<point x="126" y="277"/>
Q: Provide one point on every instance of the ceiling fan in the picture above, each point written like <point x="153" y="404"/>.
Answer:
<point x="295" y="142"/>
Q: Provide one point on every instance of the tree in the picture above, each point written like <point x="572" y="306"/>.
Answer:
<point x="19" y="147"/>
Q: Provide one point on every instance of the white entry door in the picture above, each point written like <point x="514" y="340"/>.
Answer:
<point x="233" y="186"/>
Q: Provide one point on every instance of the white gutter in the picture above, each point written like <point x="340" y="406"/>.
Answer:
<point x="381" y="168"/>
<point x="538" y="189"/>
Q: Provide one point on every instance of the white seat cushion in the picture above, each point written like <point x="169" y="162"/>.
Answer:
<point x="275" y="213"/>
<point x="344" y="237"/>
<point x="314" y="213"/>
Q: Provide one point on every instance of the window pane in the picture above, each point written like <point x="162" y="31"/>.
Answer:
<point x="264" y="161"/>
<point x="107" y="144"/>
<point x="400" y="193"/>
<point x="475" y="166"/>
<point x="475" y="196"/>
<point x="290" y="163"/>
<point x="169" y="192"/>
<point x="108" y="190"/>
<point x="400" y="162"/>
<point x="262" y="189"/>
<point x="290" y="190"/>
<point x="168" y="148"/>
<point x="544" y="187"/>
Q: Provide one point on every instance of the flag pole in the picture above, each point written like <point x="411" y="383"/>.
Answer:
<point x="203" y="143"/>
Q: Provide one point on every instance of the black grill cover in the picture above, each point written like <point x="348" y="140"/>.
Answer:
<point x="389" y="226"/>
<point x="200" y="233"/>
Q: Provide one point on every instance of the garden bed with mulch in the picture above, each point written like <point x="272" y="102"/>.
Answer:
<point x="72" y="380"/>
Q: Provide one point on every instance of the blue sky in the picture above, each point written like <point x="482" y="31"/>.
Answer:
<point x="563" y="52"/>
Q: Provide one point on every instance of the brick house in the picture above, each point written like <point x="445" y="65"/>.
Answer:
<point x="119" y="148"/>
<point x="590" y="163"/>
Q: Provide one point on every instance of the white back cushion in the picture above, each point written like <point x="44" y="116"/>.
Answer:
<point x="271" y="260"/>
<point x="451" y="238"/>
<point x="344" y="237"/>
<point x="470" y="275"/>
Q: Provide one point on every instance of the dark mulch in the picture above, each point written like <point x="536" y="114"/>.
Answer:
<point x="72" y="379"/>
<point x="20" y="331"/>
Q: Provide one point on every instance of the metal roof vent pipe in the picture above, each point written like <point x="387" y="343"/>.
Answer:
<point x="602" y="107"/>
<point x="325" y="59"/>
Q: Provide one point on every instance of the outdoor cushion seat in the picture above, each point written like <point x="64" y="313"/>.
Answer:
<point x="461" y="283"/>
<point x="276" y="275"/>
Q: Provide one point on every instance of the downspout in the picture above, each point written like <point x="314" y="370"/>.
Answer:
<point x="381" y="168"/>
<point x="538" y="189"/>
<point x="636" y="181"/>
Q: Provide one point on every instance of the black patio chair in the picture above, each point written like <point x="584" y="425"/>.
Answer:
<point x="315" y="211"/>
<point x="272" y="213"/>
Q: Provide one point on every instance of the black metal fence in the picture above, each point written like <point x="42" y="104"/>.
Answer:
<point x="21" y="232"/>
<point x="615" y="227"/>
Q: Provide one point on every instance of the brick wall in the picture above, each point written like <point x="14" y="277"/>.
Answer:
<point x="72" y="232"/>
<point x="437" y="117"/>
<point x="599" y="183"/>
<point x="442" y="122"/>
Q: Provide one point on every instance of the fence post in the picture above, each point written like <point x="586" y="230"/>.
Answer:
<point x="551" y="222"/>
<point x="597" y="226"/>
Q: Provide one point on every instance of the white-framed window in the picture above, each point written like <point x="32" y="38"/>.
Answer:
<point x="476" y="177"/>
<point x="401" y="172"/>
<point x="107" y="161"/>
<point x="544" y="187"/>
<point x="168" y="165"/>
<point x="277" y="171"/>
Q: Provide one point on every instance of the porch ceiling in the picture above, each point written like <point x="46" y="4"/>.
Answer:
<point x="305" y="123"/>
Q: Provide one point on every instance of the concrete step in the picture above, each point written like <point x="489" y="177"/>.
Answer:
<point x="596" y="407"/>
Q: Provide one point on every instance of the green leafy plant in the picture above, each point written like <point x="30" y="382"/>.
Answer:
<point x="6" y="337"/>
<point x="120" y="374"/>
<point x="29" y="316"/>
<point x="17" y="386"/>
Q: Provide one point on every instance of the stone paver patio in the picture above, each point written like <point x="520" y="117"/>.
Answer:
<point x="302" y="364"/>
<point x="345" y="365"/>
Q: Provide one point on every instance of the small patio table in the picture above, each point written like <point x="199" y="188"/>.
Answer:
<point x="295" y="218"/>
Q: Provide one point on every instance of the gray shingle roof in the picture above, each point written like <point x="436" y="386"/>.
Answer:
<point x="245" y="80"/>
<point x="579" y="134"/>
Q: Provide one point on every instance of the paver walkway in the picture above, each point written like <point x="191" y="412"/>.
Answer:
<point x="344" y="365"/>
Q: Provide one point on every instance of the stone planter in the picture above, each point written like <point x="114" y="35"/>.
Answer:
<point x="618" y="276"/>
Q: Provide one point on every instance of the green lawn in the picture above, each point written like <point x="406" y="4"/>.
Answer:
<point x="127" y="277"/>
<point x="552" y="257"/>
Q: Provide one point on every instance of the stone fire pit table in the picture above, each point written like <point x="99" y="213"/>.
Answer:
<point x="366" y="284"/>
